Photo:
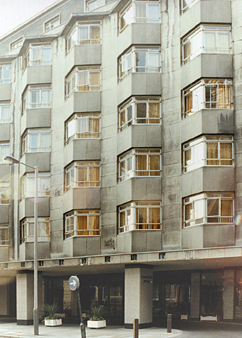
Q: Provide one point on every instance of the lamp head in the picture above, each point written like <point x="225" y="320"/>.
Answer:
<point x="10" y="160"/>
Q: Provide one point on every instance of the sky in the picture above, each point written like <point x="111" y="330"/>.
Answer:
<point x="15" y="12"/>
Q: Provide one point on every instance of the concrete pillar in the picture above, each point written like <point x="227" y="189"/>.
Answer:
<point x="25" y="298"/>
<point x="228" y="296"/>
<point x="195" y="295"/>
<point x="138" y="295"/>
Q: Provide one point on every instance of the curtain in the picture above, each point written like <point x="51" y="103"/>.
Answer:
<point x="94" y="127"/>
<point x="209" y="41"/>
<point x="141" y="113"/>
<point x="226" y="211"/>
<point x="154" y="165"/>
<point x="82" y="225"/>
<point x="154" y="218"/>
<point x="45" y="98"/>
<point x="94" y="176"/>
<point x="82" y="177"/>
<point x="213" y="210"/>
<point x="140" y="12"/>
<point x="127" y="18"/>
<point x="212" y="153"/>
<point x="226" y="154"/>
<point x="211" y="96"/>
<point x="33" y="142"/>
<point x="95" y="34"/>
<point x="153" y="61"/>
<point x="141" y="165"/>
<point x="45" y="142"/>
<point x="35" y="55"/>
<point x="82" y="127"/>
<point x="94" y="225"/>
<point x="46" y="55"/>
<point x="83" y="34"/>
<point x="141" y="218"/>
<point x="188" y="103"/>
<point x="95" y="80"/>
<point x="187" y="215"/>
<point x="223" y="42"/>
<point x="153" y="13"/>
<point x="154" y="113"/>
<point x="82" y="80"/>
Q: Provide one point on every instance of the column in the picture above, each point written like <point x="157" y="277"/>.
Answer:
<point x="228" y="296"/>
<point x="195" y="295"/>
<point x="25" y="298"/>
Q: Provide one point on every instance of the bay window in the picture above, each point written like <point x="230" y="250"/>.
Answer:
<point x="92" y="5"/>
<point x="4" y="234"/>
<point x="5" y="73"/>
<point x="139" y="162"/>
<point x="211" y="208"/>
<point x="83" y="79"/>
<point x="186" y="4"/>
<point x="140" y="110"/>
<point x="36" y="140"/>
<point x="4" y="192"/>
<point x="4" y="150"/>
<point x="83" y="125"/>
<point x="27" y="230"/>
<point x="84" y="34"/>
<point x="214" y="150"/>
<point x="37" y="97"/>
<point x="5" y="113"/>
<point x="207" y="94"/>
<point x="139" y="60"/>
<point x="28" y="185"/>
<point x="82" y="174"/>
<point x="82" y="223"/>
<point x="139" y="216"/>
<point x="140" y="12"/>
<point x="206" y="39"/>
<point x="38" y="55"/>
<point x="52" y="23"/>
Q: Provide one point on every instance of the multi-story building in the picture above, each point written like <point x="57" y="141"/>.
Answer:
<point x="132" y="112"/>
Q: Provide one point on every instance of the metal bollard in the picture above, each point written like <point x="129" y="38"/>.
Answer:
<point x="169" y="323"/>
<point x="136" y="328"/>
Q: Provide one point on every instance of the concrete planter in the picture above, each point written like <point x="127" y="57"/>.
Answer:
<point x="96" y="324"/>
<point x="53" y="322"/>
<point x="209" y="318"/>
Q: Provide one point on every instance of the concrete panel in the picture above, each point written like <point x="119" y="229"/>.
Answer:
<point x="26" y="251"/>
<point x="4" y="131"/>
<point x="4" y="213"/>
<point x="205" y="11"/>
<point x="82" y="149"/>
<point x="36" y="118"/>
<point x="82" y="102"/>
<point x="36" y="75"/>
<point x="83" y="55"/>
<point x="195" y="295"/>
<point x="124" y="242"/>
<point x="3" y="257"/>
<point x="26" y="207"/>
<point x="207" y="179"/>
<point x="4" y="171"/>
<point x="81" y="199"/>
<point x="139" y="84"/>
<point x="4" y="311"/>
<point x="140" y="136"/>
<point x="192" y="237"/>
<point x="139" y="241"/>
<point x="228" y="295"/>
<point x="5" y="91"/>
<point x="207" y="66"/>
<point x="82" y="246"/>
<point x="25" y="298"/>
<point x="218" y="235"/>
<point x="42" y="160"/>
<point x="94" y="245"/>
<point x="207" y="121"/>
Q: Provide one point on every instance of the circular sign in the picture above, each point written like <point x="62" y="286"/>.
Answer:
<point x="74" y="283"/>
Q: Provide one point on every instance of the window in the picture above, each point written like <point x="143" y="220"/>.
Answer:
<point x="83" y="125"/>
<point x="82" y="223"/>
<point x="84" y="34"/>
<point x="4" y="192"/>
<point x="5" y="113"/>
<point x="207" y="94"/>
<point x="4" y="150"/>
<point x="206" y="39"/>
<point x="4" y="234"/>
<point x="27" y="230"/>
<point x="208" y="150"/>
<point x="92" y="5"/>
<point x="139" y="162"/>
<point x="28" y="185"/>
<point x="140" y="110"/>
<point x="52" y="23"/>
<point x="82" y="174"/>
<point x="36" y="140"/>
<point x="5" y="73"/>
<point x="186" y="4"/>
<point x="16" y="43"/>
<point x="38" y="55"/>
<point x="212" y="207"/>
<point x="139" y="216"/>
<point x="37" y="97"/>
<point x="140" y="12"/>
<point x="83" y="79"/>
<point x="139" y="60"/>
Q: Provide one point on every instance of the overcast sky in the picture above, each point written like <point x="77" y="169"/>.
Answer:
<point x="15" y="12"/>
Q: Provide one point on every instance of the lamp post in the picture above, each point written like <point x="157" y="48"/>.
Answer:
<point x="10" y="160"/>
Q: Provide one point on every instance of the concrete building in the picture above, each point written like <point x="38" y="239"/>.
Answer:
<point x="132" y="112"/>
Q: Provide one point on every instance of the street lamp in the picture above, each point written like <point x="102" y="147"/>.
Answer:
<point x="10" y="160"/>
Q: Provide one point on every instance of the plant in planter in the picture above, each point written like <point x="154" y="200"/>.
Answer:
<point x="51" y="317"/>
<point x="96" y="317"/>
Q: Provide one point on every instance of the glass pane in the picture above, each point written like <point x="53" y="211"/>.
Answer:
<point x="82" y="80"/>
<point x="82" y="177"/>
<point x="153" y="13"/>
<point x="71" y="128"/>
<point x="94" y="225"/>
<point x="213" y="210"/>
<point x="95" y="80"/>
<point x="154" y="218"/>
<point x="33" y="142"/>
<point x="140" y="63"/>
<point x="154" y="165"/>
<point x="83" y="33"/>
<point x="209" y="41"/>
<point x="154" y="112"/>
<point x="226" y="210"/>
<point x="141" y="165"/>
<point x="141" y="113"/>
<point x="212" y="153"/>
<point x="82" y="225"/>
<point x="94" y="176"/>
<point x="141" y="218"/>
<point x="95" y="33"/>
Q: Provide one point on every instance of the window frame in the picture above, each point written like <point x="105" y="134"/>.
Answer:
<point x="28" y="62"/>
<point x="91" y="2"/>
<point x="26" y="140"/>
<point x="25" y="230"/>
<point x="6" y="146"/>
<point x="71" y="230"/>
<point x="2" y="105"/>
<point x="4" y="228"/>
<point x="27" y="98"/>
<point x="70" y="43"/>
<point x="27" y="184"/>
<point x="4" y="192"/>
<point x="6" y="79"/>
<point x="74" y="119"/>
<point x="17" y="43"/>
<point x="185" y="8"/>
<point x="50" y="21"/>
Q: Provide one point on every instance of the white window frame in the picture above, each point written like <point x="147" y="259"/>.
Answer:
<point x="198" y="211"/>
<point x="94" y="4"/>
<point x="4" y="192"/>
<point x="27" y="98"/>
<point x="127" y="61"/>
<point x="27" y="229"/>
<point x="4" y="229"/>
<point x="4" y="105"/>
<point x="73" y="124"/>
<point x="130" y="108"/>
<point x="2" y="71"/>
<point x="129" y="212"/>
<point x="73" y="40"/>
<point x="72" y="80"/>
<point x="198" y="47"/>
<point x="198" y="150"/>
<point x="26" y="141"/>
<point x="71" y="175"/>
<point x="71" y="223"/>
<point x="28" y="185"/>
<point x="51" y="23"/>
<point x="129" y="160"/>
<point x="4" y="151"/>
<point x="187" y="5"/>
<point x="29" y="58"/>
<point x="16" y="43"/>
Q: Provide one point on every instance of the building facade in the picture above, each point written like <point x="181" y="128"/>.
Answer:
<point x="131" y="111"/>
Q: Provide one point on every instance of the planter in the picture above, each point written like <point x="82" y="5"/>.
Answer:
<point x="96" y="324"/>
<point x="209" y="318"/>
<point x="53" y="322"/>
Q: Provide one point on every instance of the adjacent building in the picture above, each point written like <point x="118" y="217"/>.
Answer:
<point x="132" y="112"/>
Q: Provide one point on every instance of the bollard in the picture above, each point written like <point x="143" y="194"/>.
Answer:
<point x="136" y="328"/>
<point x="169" y="323"/>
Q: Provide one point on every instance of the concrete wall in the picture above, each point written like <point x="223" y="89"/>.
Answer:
<point x="82" y="199"/>
<point x="35" y="118"/>
<point x="139" y="241"/>
<point x="35" y="75"/>
<point x="82" y="246"/>
<point x="26" y="251"/>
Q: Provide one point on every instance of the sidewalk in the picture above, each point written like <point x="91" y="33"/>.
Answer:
<point x="12" y="330"/>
